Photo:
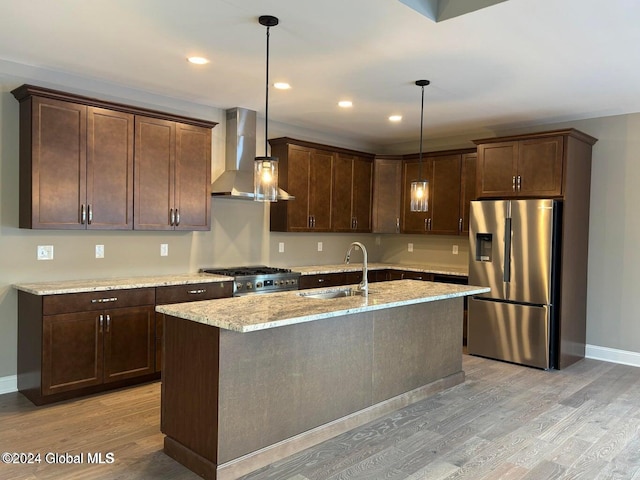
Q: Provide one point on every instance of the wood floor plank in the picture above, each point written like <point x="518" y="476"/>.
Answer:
<point x="506" y="422"/>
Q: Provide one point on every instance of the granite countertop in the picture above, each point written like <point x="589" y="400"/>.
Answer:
<point x="357" y="266"/>
<point x="259" y="312"/>
<point x="105" y="284"/>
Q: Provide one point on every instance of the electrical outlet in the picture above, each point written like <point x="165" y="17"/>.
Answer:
<point x="378" y="240"/>
<point x="164" y="249"/>
<point x="45" y="252"/>
<point x="454" y="250"/>
<point x="99" y="251"/>
<point x="319" y="246"/>
<point x="410" y="247"/>
<point x="281" y="247"/>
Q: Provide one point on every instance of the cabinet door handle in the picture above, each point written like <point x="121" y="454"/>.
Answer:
<point x="197" y="292"/>
<point x="519" y="183"/>
<point x="177" y="217"/>
<point x="83" y="215"/>
<point x="100" y="323"/>
<point x="513" y="183"/>
<point x="460" y="224"/>
<point x="426" y="224"/>
<point x="397" y="224"/>
<point x="108" y="322"/>
<point x="172" y="217"/>
<point x="429" y="223"/>
<point x="90" y="210"/>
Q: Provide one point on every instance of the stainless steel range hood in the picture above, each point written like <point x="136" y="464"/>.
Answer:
<point x="240" y="153"/>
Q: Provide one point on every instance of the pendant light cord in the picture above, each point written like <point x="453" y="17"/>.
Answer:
<point x="421" y="128"/>
<point x="266" y="107"/>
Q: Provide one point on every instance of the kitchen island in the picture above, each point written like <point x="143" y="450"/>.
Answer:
<point x="249" y="380"/>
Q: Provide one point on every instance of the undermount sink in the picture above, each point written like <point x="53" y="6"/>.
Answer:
<point x="334" y="293"/>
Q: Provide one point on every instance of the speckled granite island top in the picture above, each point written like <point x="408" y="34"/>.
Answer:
<point x="101" y="285"/>
<point x="260" y="312"/>
<point x="355" y="266"/>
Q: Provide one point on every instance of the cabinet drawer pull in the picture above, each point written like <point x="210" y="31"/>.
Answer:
<point x="197" y="292"/>
<point x="320" y="280"/>
<point x="104" y="300"/>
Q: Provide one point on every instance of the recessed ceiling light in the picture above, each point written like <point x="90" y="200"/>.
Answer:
<point x="198" y="60"/>
<point x="395" y="118"/>
<point x="282" y="85"/>
<point x="345" y="103"/>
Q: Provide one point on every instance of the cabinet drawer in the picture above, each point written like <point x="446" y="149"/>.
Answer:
<point x="88" y="301"/>
<point x="193" y="292"/>
<point x="321" y="280"/>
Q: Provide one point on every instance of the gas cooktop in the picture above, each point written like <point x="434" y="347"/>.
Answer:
<point x="258" y="278"/>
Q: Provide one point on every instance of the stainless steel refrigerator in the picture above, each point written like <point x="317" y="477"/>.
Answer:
<point x="514" y="249"/>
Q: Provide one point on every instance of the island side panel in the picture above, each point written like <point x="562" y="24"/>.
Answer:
<point x="277" y="383"/>
<point x="415" y="346"/>
<point x="189" y="415"/>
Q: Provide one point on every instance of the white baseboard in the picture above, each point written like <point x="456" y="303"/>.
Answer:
<point x="613" y="355"/>
<point x="8" y="384"/>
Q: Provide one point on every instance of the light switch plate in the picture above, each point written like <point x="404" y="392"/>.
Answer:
<point x="410" y="247"/>
<point x="454" y="250"/>
<point x="99" y="251"/>
<point x="164" y="249"/>
<point x="281" y="247"/>
<point x="45" y="252"/>
<point x="319" y="246"/>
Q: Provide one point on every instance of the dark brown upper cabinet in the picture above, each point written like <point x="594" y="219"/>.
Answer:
<point x="305" y="172"/>
<point x="527" y="165"/>
<point x="172" y="175"/>
<point x="447" y="196"/>
<point x="77" y="164"/>
<point x="332" y="188"/>
<point x="468" y="189"/>
<point x="387" y="194"/>
<point x="352" y="176"/>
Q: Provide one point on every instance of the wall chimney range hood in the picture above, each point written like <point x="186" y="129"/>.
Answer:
<point x="240" y="152"/>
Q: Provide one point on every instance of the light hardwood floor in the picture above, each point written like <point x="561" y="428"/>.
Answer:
<point x="505" y="422"/>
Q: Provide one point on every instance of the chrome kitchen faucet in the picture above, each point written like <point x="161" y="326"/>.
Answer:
<point x="363" y="287"/>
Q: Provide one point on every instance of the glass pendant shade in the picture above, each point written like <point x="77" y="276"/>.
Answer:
<point x="420" y="196"/>
<point x="265" y="179"/>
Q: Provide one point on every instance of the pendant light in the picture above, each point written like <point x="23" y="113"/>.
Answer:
<point x="420" y="188"/>
<point x="265" y="176"/>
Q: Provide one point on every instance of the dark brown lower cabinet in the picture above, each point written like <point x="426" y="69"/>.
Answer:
<point x="90" y="348"/>
<point x="66" y="333"/>
<point x="75" y="344"/>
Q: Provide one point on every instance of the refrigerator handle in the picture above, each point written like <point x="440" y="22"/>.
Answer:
<point x="507" y="250"/>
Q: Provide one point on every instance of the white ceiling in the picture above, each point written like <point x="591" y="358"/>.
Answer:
<point x="518" y="63"/>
